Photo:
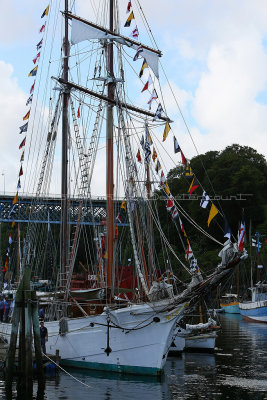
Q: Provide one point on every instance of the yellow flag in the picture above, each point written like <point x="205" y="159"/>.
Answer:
<point x="123" y="205"/>
<point x="129" y="19"/>
<point x="13" y="223"/>
<point x="154" y="155"/>
<point x="46" y="11"/>
<point x="145" y="65"/>
<point x="167" y="189"/>
<point x="16" y="199"/>
<point x="166" y="131"/>
<point x="213" y="212"/>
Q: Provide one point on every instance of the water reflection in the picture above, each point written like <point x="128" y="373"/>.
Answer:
<point x="237" y="370"/>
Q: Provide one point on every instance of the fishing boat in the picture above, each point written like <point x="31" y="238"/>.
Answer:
<point x="229" y="303"/>
<point x="107" y="323"/>
<point x="255" y="310"/>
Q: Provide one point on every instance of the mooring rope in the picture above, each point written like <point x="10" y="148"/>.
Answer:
<point x="66" y="372"/>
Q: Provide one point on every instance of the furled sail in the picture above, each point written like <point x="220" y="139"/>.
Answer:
<point x="82" y="31"/>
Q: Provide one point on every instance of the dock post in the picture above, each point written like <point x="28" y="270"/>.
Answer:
<point x="16" y="320"/>
<point x="37" y="338"/>
<point x="10" y="361"/>
<point x="28" y="340"/>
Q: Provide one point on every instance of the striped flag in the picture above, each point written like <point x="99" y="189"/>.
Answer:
<point x="46" y="11"/>
<point x="153" y="97"/>
<point x="241" y="233"/>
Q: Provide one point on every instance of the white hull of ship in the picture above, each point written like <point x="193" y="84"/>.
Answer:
<point x="178" y="345"/>
<point x="138" y="344"/>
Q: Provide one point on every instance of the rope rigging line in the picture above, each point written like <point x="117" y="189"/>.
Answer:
<point x="66" y="372"/>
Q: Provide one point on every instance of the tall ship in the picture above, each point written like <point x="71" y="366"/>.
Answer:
<point x="121" y="310"/>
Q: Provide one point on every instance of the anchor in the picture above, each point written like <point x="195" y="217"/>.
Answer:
<point x="108" y="349"/>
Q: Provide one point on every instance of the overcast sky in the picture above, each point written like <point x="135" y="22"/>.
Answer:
<point x="214" y="52"/>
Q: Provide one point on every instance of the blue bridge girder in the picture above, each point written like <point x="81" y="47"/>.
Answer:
<point x="48" y="210"/>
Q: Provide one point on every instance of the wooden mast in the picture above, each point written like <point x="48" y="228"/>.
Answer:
<point x="109" y="150"/>
<point x="148" y="188"/>
<point x="64" y="161"/>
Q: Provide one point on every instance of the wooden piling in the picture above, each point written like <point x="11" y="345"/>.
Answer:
<point x="28" y="340"/>
<point x="37" y="337"/>
<point x="25" y="320"/>
<point x="15" y="326"/>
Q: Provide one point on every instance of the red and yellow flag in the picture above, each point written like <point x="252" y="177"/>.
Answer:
<point x="27" y="116"/>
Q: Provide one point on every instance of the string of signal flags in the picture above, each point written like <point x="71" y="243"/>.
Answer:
<point x="23" y="129"/>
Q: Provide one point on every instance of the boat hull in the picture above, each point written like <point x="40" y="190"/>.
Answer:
<point x="203" y="341"/>
<point x="136" y="340"/>
<point x="254" y="311"/>
<point x="178" y="345"/>
<point x="231" y="308"/>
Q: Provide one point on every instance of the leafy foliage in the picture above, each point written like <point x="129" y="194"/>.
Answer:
<point x="235" y="179"/>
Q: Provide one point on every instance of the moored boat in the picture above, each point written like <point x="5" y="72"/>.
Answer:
<point x="201" y="342"/>
<point x="229" y="303"/>
<point x="133" y="334"/>
<point x="256" y="309"/>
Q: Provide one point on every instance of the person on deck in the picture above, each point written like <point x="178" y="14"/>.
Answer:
<point x="2" y="307"/>
<point x="7" y="309"/>
<point x="41" y="313"/>
<point x="44" y="336"/>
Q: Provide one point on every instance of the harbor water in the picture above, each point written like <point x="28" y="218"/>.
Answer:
<point x="236" y="370"/>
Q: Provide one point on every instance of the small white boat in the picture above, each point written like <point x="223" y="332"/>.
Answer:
<point x="202" y="341"/>
<point x="199" y="336"/>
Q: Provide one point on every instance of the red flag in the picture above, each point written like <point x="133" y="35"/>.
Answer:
<point x="118" y="218"/>
<point x="129" y="7"/>
<point x="175" y="214"/>
<point x="189" y="252"/>
<point x="135" y="33"/>
<point x="149" y="81"/>
<point x="32" y="88"/>
<point x="183" y="158"/>
<point x="20" y="171"/>
<point x="162" y="179"/>
<point x="241" y="234"/>
<point x="78" y="112"/>
<point x="194" y="185"/>
<point x="138" y="156"/>
<point x="36" y="58"/>
<point x="27" y="116"/>
<point x="154" y="96"/>
<point x="116" y="231"/>
<point x="170" y="203"/>
<point x="42" y="28"/>
<point x="22" y="143"/>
